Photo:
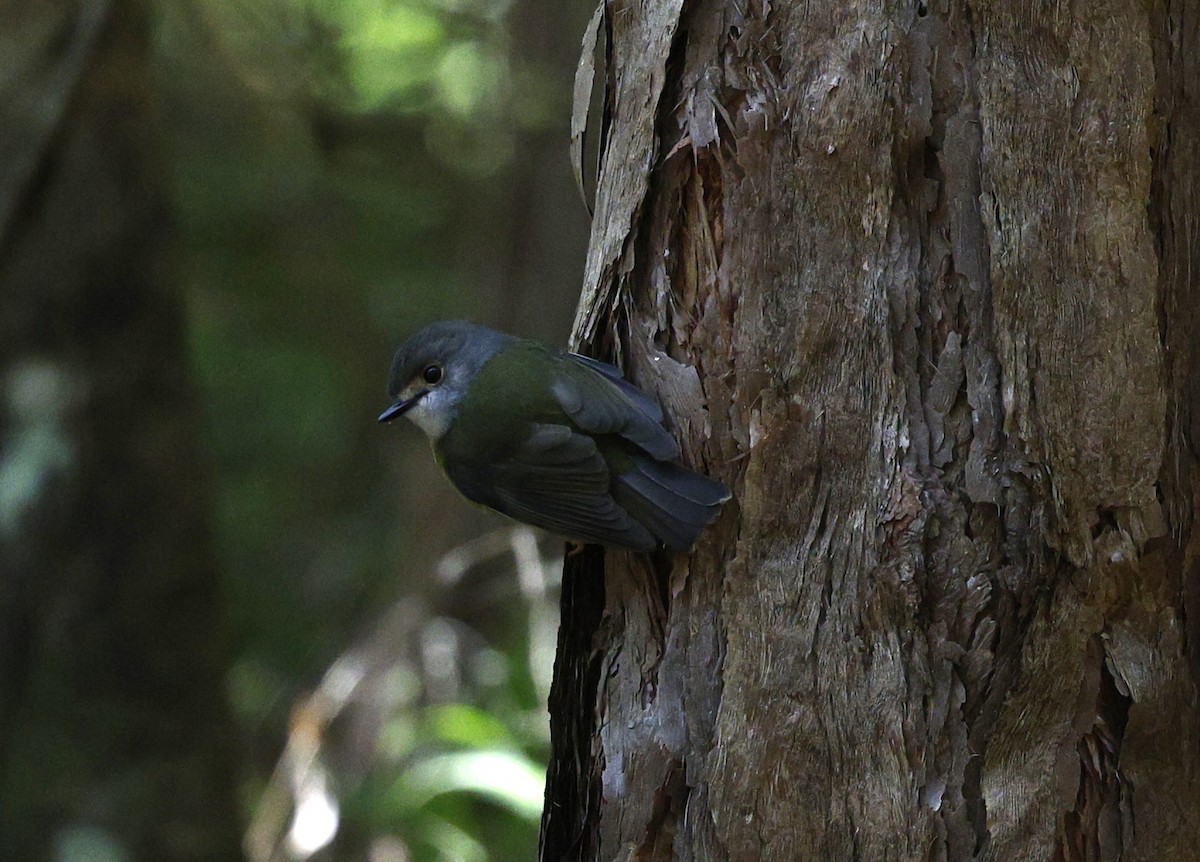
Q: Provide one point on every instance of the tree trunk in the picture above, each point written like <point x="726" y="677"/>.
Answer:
<point x="919" y="282"/>
<point x="114" y="738"/>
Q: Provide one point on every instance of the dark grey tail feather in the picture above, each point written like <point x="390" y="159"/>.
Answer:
<point x="672" y="502"/>
<point x="666" y="496"/>
<point x="693" y="486"/>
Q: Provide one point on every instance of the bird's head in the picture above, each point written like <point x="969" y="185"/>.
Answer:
<point x="433" y="371"/>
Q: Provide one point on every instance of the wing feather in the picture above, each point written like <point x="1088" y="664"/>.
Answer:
<point x="601" y="401"/>
<point x="558" y="480"/>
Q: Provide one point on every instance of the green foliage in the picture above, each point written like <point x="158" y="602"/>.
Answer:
<point x="340" y="170"/>
<point x="457" y="780"/>
<point x="462" y="768"/>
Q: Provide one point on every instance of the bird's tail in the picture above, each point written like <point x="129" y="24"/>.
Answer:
<point x="671" y="501"/>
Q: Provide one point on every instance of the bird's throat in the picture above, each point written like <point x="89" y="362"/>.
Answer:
<point x="432" y="414"/>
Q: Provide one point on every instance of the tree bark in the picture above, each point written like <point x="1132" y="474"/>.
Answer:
<point x="115" y="742"/>
<point x="918" y="280"/>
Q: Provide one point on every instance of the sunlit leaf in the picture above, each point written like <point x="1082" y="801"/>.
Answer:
<point x="505" y="777"/>
<point x="390" y="49"/>
<point x="466" y="725"/>
<point x="467" y="78"/>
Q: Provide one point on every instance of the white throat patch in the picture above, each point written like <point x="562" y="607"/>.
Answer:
<point x="433" y="413"/>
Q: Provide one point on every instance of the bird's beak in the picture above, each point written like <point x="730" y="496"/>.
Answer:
<point x="399" y="408"/>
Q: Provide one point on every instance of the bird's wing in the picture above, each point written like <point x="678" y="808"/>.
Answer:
<point x="558" y="480"/>
<point x="601" y="401"/>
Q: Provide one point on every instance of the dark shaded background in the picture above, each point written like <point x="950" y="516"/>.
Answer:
<point x="311" y="182"/>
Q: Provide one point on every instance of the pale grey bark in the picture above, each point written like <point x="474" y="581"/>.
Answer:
<point x="918" y="280"/>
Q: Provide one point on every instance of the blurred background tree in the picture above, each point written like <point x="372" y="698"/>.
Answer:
<point x="115" y="738"/>
<point x="339" y="172"/>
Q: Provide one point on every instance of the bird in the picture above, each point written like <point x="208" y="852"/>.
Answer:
<point x="550" y="438"/>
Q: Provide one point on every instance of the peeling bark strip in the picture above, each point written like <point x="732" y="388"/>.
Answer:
<point x="919" y="280"/>
<point x="639" y="39"/>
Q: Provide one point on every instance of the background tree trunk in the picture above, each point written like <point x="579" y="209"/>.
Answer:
<point x="918" y="281"/>
<point x="114" y="737"/>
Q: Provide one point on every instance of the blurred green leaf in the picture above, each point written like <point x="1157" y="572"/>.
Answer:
<point x="505" y="777"/>
<point x="468" y="726"/>
<point x="468" y="79"/>
<point x="390" y="48"/>
<point x="451" y="843"/>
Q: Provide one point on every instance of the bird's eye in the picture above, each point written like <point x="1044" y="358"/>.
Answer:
<point x="432" y="374"/>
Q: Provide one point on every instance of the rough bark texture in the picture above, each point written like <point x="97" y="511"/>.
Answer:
<point x="919" y="281"/>
<point x="114" y="738"/>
